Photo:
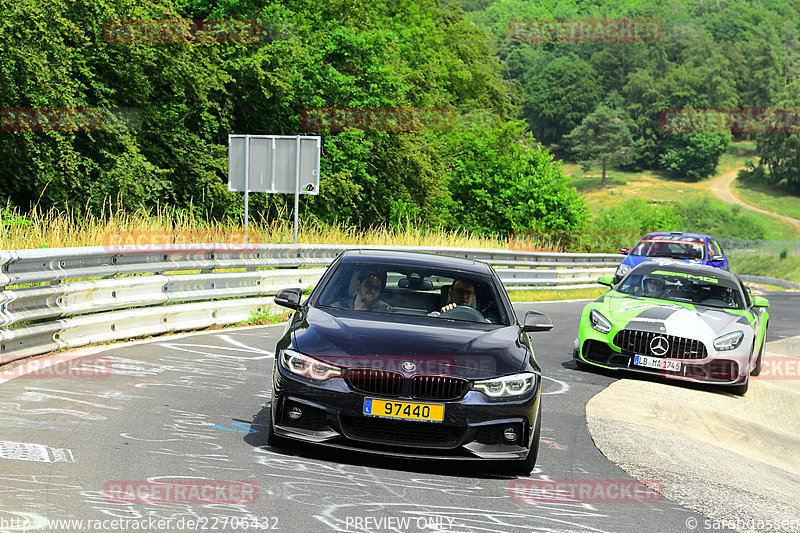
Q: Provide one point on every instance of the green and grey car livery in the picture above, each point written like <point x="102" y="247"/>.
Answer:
<point x="678" y="320"/>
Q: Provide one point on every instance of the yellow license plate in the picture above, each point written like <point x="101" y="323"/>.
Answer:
<point x="425" y="412"/>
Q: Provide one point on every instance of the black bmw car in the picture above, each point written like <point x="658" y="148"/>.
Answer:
<point x="410" y="355"/>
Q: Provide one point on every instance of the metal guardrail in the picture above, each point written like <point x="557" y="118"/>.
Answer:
<point x="769" y="248"/>
<point x="145" y="290"/>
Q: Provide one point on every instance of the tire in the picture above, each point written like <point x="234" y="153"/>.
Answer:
<point x="760" y="361"/>
<point x="524" y="467"/>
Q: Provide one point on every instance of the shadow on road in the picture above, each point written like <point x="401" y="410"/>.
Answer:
<point x="467" y="468"/>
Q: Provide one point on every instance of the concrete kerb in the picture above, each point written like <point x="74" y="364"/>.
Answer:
<point x="727" y="457"/>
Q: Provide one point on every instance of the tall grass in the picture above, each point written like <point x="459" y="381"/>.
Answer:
<point x="67" y="228"/>
<point x="785" y="268"/>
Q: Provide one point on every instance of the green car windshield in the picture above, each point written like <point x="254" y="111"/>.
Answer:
<point x="683" y="288"/>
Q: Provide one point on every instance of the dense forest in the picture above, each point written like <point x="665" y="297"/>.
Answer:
<point x="491" y="171"/>
<point x="712" y="55"/>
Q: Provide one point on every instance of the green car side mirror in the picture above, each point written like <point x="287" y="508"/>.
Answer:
<point x="606" y="280"/>
<point x="760" y="301"/>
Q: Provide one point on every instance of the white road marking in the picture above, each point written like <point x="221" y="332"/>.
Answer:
<point x="23" y="451"/>
<point x="564" y="386"/>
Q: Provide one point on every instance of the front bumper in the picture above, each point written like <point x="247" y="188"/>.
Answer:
<point x="718" y="368"/>
<point x="473" y="426"/>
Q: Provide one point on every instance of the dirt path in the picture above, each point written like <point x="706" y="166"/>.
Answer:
<point x="721" y="186"/>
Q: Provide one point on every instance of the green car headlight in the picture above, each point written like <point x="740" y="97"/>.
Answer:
<point x="729" y="341"/>
<point x="507" y="386"/>
<point x="599" y="322"/>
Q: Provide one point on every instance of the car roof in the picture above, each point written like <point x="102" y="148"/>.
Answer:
<point x="677" y="233"/>
<point x="682" y="266"/>
<point x="415" y="259"/>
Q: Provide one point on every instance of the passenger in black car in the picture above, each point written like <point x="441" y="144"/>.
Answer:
<point x="368" y="288"/>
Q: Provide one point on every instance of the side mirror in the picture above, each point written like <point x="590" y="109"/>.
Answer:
<point x="536" y="321"/>
<point x="624" y="251"/>
<point x="289" y="298"/>
<point x="716" y="258"/>
<point x="760" y="301"/>
<point x="605" y="279"/>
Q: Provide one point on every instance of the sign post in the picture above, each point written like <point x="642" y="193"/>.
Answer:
<point x="280" y="164"/>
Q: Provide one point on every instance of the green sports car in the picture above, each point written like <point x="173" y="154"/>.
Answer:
<point x="678" y="320"/>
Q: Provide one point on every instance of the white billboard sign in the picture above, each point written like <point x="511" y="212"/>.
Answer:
<point x="272" y="161"/>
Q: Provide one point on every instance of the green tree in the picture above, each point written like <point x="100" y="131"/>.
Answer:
<point x="501" y="180"/>
<point x="694" y="156"/>
<point x="762" y="65"/>
<point x="602" y="137"/>
<point x="780" y="150"/>
<point x="559" y="96"/>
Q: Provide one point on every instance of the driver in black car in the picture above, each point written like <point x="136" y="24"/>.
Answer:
<point x="461" y="293"/>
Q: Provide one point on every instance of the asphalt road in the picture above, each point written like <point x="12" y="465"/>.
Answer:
<point x="192" y="408"/>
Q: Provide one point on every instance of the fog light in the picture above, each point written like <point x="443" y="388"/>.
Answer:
<point x="294" y="412"/>
<point x="511" y="434"/>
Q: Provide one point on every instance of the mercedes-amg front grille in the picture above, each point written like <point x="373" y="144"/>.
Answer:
<point x="634" y="342"/>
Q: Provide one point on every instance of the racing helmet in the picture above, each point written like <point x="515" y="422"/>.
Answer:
<point x="652" y="286"/>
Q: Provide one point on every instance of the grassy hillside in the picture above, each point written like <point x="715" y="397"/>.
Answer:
<point x="687" y="206"/>
<point x="787" y="268"/>
<point x="768" y="198"/>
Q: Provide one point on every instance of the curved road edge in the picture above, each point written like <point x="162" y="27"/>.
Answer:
<point x="732" y="459"/>
<point x="721" y="187"/>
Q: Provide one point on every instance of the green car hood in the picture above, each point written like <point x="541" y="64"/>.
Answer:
<point x="683" y="319"/>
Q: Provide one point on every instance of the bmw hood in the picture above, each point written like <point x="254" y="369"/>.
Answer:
<point x="410" y="345"/>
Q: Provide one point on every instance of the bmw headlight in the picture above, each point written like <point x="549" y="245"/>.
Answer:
<point x="599" y="322"/>
<point x="729" y="341"/>
<point x="507" y="386"/>
<point x="622" y="270"/>
<point x="308" y="367"/>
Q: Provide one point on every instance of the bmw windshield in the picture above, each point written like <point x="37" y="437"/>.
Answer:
<point x="406" y="290"/>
